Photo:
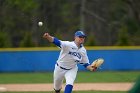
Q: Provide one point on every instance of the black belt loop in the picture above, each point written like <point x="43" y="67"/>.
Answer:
<point x="62" y="67"/>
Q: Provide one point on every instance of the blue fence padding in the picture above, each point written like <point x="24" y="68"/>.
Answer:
<point x="11" y="61"/>
<point x="28" y="60"/>
<point x="117" y="59"/>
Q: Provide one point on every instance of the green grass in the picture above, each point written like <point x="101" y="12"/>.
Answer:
<point x="26" y="77"/>
<point x="82" y="77"/>
<point x="76" y="92"/>
<point x="123" y="76"/>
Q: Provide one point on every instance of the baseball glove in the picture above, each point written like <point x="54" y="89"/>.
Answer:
<point x="97" y="63"/>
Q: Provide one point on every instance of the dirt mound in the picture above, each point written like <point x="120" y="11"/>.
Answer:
<point x="77" y="87"/>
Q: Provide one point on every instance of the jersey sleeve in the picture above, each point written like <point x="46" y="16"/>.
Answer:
<point x="64" y="44"/>
<point x="59" y="43"/>
<point x="85" y="60"/>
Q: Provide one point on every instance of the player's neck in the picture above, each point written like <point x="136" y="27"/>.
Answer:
<point x="78" y="44"/>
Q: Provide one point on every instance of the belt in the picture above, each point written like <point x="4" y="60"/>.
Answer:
<point x="62" y="67"/>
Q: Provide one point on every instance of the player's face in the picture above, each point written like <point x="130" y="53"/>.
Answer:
<point x="80" y="40"/>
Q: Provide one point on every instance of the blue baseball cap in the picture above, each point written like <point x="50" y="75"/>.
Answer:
<point x="80" y="34"/>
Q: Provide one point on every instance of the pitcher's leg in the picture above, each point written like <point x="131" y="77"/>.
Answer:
<point x="70" y="78"/>
<point x="58" y="78"/>
<point x="68" y="88"/>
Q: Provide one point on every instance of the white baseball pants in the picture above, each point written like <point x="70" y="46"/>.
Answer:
<point x="60" y="74"/>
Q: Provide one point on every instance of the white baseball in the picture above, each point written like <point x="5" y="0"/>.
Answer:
<point x="40" y="23"/>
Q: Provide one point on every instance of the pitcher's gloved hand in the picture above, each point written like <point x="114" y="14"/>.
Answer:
<point x="97" y="63"/>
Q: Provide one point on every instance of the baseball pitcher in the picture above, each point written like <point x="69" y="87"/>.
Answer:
<point x="72" y="52"/>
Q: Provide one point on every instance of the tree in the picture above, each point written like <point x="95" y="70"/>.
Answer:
<point x="27" y="41"/>
<point x="123" y="37"/>
<point x="5" y="40"/>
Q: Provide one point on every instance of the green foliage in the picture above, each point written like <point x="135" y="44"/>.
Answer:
<point x="24" y="5"/>
<point x="5" y="40"/>
<point x="133" y="31"/>
<point x="90" y="41"/>
<point x="27" y="41"/>
<point x="136" y="87"/>
<point x="62" y="17"/>
<point x="136" y="37"/>
<point x="123" y="37"/>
